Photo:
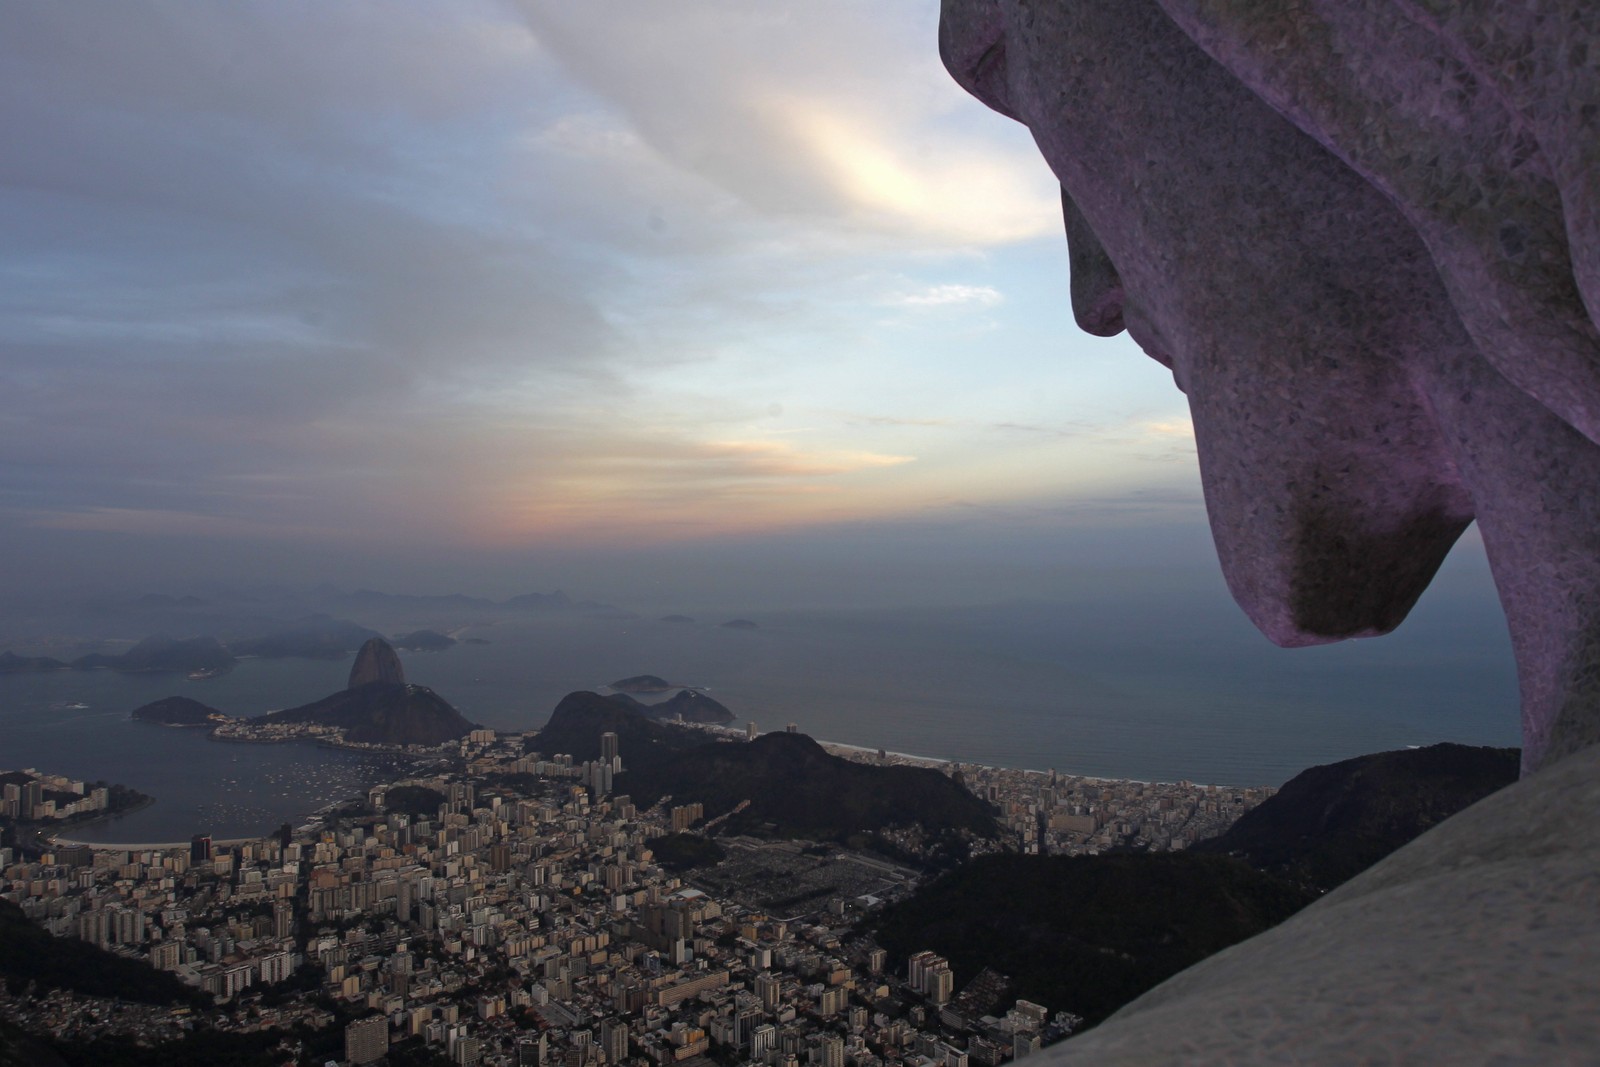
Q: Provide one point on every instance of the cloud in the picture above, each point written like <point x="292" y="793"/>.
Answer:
<point x="952" y="295"/>
<point x="459" y="274"/>
<point x="1181" y="429"/>
<point x="817" y="110"/>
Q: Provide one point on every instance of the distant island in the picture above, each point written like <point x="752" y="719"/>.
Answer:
<point x="377" y="707"/>
<point x="424" y="641"/>
<point x="644" y="683"/>
<point x="11" y="663"/>
<point x="178" y="711"/>
<point x="312" y="637"/>
<point x="160" y="655"/>
<point x="207" y="656"/>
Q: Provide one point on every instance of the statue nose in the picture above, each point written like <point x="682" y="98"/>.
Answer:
<point x="1097" y="294"/>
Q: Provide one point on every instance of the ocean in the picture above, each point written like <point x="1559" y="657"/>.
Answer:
<point x="1173" y="688"/>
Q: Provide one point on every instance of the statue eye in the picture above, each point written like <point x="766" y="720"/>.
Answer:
<point x="972" y="43"/>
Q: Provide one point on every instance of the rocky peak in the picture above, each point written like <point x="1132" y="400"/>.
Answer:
<point x="376" y="662"/>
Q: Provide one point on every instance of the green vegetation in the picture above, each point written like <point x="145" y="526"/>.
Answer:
<point x="417" y="801"/>
<point x="383" y="713"/>
<point x="1329" y="823"/>
<point x="682" y="852"/>
<point x="29" y="954"/>
<point x="796" y="789"/>
<point x="580" y="718"/>
<point x="176" y="711"/>
<point x="1086" y="934"/>
<point x="202" y="1048"/>
<point x="18" y="1048"/>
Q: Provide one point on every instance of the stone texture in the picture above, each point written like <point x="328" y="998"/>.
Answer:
<point x="1365" y="237"/>
<point x="376" y="662"/>
<point x="1350" y="250"/>
<point x="1473" y="944"/>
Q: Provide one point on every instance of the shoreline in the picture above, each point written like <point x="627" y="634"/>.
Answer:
<point x="145" y="846"/>
<point x="940" y="761"/>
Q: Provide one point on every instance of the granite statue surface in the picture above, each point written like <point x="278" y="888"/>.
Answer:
<point x="1363" y="239"/>
<point x="1363" y="236"/>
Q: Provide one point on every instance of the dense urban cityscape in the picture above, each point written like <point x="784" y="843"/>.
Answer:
<point x="506" y="907"/>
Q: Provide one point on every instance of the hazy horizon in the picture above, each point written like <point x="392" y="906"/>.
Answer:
<point x="711" y="308"/>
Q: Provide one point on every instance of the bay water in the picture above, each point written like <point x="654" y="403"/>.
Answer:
<point x="1180" y="691"/>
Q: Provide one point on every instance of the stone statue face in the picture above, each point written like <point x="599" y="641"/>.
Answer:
<point x="1235" y="251"/>
<point x="1308" y="296"/>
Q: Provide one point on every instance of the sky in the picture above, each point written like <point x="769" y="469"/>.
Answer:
<point x="743" y="302"/>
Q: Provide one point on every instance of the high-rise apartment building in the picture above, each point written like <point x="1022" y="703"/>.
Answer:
<point x="366" y="1040"/>
<point x="614" y="1039"/>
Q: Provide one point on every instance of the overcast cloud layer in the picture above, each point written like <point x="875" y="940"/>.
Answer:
<point x="292" y="284"/>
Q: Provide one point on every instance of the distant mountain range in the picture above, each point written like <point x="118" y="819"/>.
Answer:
<point x="152" y="655"/>
<point x="314" y="637"/>
<point x="269" y="624"/>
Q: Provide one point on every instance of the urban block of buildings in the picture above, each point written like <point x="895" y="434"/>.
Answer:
<point x="525" y="920"/>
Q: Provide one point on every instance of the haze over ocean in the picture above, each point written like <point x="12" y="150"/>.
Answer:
<point x="1167" y="685"/>
<point x="747" y="306"/>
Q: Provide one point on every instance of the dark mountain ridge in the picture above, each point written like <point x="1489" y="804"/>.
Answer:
<point x="383" y="713"/>
<point x="1090" y="933"/>
<point x="687" y="704"/>
<point x="580" y="718"/>
<point x="1331" y="822"/>
<point x="797" y="789"/>
<point x="794" y="786"/>
<point x="1086" y="934"/>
